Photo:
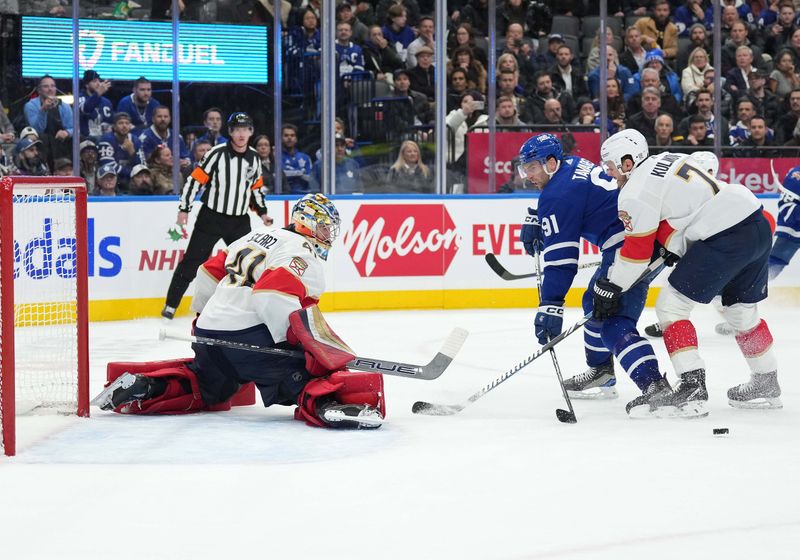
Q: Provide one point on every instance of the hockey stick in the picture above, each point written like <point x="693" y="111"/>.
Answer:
<point x="501" y="271"/>
<point x="432" y="409"/>
<point x="431" y="370"/>
<point x="564" y="416"/>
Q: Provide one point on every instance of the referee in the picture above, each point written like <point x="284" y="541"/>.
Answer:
<point x="229" y="173"/>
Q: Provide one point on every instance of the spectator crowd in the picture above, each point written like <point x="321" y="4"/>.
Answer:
<point x="660" y="81"/>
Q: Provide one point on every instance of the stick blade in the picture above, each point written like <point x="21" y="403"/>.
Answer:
<point x="565" y="416"/>
<point x="431" y="409"/>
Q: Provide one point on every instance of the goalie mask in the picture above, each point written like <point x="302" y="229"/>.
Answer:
<point x="316" y="217"/>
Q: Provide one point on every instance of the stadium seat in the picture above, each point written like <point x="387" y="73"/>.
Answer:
<point x="566" y="25"/>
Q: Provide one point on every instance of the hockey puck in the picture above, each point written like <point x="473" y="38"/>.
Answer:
<point x="721" y="431"/>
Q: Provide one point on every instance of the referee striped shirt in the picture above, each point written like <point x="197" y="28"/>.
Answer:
<point x="229" y="179"/>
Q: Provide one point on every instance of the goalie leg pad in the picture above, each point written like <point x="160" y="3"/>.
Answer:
<point x="182" y="394"/>
<point x="345" y="387"/>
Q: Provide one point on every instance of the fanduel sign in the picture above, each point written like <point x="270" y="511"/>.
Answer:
<point x="125" y="50"/>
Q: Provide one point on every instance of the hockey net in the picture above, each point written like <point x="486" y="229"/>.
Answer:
<point x="43" y="299"/>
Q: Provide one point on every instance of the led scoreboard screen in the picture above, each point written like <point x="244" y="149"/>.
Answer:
<point x="125" y="50"/>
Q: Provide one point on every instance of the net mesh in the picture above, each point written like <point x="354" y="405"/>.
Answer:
<point x="45" y="300"/>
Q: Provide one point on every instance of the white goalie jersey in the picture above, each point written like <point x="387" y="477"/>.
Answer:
<point x="670" y="199"/>
<point x="260" y="279"/>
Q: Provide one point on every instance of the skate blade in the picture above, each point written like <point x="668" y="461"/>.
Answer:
<point x="595" y="393"/>
<point x="693" y="409"/>
<point x="373" y="420"/>
<point x="103" y="400"/>
<point x="755" y="404"/>
<point x="644" y="412"/>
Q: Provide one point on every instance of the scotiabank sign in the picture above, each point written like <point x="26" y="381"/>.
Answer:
<point x="755" y="173"/>
<point x="584" y="144"/>
<point x="402" y="240"/>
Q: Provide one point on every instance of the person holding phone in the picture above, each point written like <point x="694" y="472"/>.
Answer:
<point x="470" y="114"/>
<point x="51" y="119"/>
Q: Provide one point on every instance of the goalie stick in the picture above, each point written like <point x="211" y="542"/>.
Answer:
<point x="431" y="370"/>
<point x="433" y="409"/>
<point x="501" y="271"/>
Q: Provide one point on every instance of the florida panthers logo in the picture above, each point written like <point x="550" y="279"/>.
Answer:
<point x="626" y="220"/>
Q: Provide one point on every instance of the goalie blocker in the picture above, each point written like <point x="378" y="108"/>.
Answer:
<point x="325" y="393"/>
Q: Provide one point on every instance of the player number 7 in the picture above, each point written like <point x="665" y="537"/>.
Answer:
<point x="687" y="171"/>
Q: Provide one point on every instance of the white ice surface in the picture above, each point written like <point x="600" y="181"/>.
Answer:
<point x="501" y="480"/>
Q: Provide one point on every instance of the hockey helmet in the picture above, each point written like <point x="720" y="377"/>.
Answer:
<point x="791" y="184"/>
<point x="537" y="149"/>
<point x="629" y="143"/>
<point x="239" y="119"/>
<point x="316" y="217"/>
<point x="708" y="162"/>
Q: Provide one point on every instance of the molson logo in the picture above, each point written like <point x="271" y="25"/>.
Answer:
<point x="402" y="240"/>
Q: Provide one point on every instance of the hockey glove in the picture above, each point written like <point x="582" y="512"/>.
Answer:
<point x="549" y="321"/>
<point x="607" y="298"/>
<point x="669" y="257"/>
<point x="531" y="233"/>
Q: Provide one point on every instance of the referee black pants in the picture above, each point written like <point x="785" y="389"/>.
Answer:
<point x="209" y="228"/>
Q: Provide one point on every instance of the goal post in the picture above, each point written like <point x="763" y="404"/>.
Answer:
<point x="44" y="351"/>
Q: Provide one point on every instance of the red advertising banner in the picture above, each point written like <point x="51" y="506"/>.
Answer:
<point x="584" y="144"/>
<point x="754" y="173"/>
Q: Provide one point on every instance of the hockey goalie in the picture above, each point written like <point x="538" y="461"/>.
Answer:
<point x="261" y="291"/>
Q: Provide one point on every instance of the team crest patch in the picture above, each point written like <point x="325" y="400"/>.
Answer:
<point x="626" y="220"/>
<point x="298" y="266"/>
<point x="796" y="175"/>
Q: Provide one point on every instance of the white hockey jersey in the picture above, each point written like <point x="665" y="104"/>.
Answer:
<point x="669" y="199"/>
<point x="260" y="279"/>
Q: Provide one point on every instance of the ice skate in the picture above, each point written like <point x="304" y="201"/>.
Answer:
<point x="724" y="328"/>
<point x="597" y="383"/>
<point x="168" y="312"/>
<point x="657" y="401"/>
<point x="654" y="330"/>
<point x="691" y="397"/>
<point x="125" y="389"/>
<point x="762" y="391"/>
<point x="350" y="416"/>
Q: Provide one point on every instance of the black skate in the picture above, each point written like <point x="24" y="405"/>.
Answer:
<point x="127" y="388"/>
<point x="655" y="402"/>
<point x="168" y="312"/>
<point x="654" y="330"/>
<point x="690" y="397"/>
<point x="350" y="416"/>
<point x="762" y="391"/>
<point x="595" y="383"/>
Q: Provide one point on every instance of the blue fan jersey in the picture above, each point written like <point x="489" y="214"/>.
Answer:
<point x="579" y="200"/>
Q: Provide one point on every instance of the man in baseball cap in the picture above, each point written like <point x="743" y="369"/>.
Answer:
<point x="106" y="180"/>
<point x="96" y="109"/>
<point x="28" y="158"/>
<point x="141" y="180"/>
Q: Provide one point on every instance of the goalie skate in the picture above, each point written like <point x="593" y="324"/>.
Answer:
<point x="125" y="389"/>
<point x="350" y="416"/>
<point x="762" y="391"/>
<point x="596" y="383"/>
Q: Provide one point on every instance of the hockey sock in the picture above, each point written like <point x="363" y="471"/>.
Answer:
<point x="596" y="352"/>
<point x="756" y="346"/>
<point x="680" y="338"/>
<point x="634" y="353"/>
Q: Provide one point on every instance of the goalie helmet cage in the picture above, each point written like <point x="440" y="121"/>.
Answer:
<point x="44" y="351"/>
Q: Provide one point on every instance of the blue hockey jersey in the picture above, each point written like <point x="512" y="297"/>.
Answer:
<point x="96" y="113"/>
<point x="579" y="201"/>
<point x="788" y="225"/>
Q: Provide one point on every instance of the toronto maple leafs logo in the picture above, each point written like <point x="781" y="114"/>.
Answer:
<point x="626" y="220"/>
<point x="177" y="232"/>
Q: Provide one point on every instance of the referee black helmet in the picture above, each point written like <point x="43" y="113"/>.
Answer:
<point x="239" y="119"/>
